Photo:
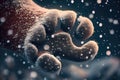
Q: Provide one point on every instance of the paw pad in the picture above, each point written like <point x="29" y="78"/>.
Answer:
<point x="51" y="36"/>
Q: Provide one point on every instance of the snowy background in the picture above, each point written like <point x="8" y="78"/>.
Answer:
<point x="105" y="15"/>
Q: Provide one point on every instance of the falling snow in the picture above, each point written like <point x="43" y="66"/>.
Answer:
<point x="101" y="36"/>
<point x="33" y="74"/>
<point x="99" y="1"/>
<point x="72" y="1"/>
<point x="106" y="35"/>
<point x="10" y="32"/>
<point x="108" y="52"/>
<point x="112" y="32"/>
<point x="2" y="19"/>
<point x="100" y="24"/>
<point x="46" y="47"/>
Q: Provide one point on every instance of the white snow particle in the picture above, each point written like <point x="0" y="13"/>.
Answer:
<point x="93" y="12"/>
<point x="5" y="54"/>
<point x="110" y="10"/>
<point x="82" y="1"/>
<point x="19" y="46"/>
<point x="108" y="52"/>
<point x="112" y="32"/>
<point x="82" y="42"/>
<point x="81" y="54"/>
<point x="10" y="32"/>
<point x="87" y="66"/>
<point x="52" y="36"/>
<point x="106" y="2"/>
<point x="72" y="1"/>
<point x="99" y="1"/>
<point x="46" y="47"/>
<point x="23" y="62"/>
<point x="8" y="41"/>
<point x="5" y="72"/>
<point x="86" y="57"/>
<point x="33" y="74"/>
<point x="115" y="22"/>
<point x="9" y="60"/>
<point x="86" y="4"/>
<point x="60" y="6"/>
<point x="100" y="36"/>
<point x="19" y="72"/>
<point x="2" y="19"/>
<point x="45" y="78"/>
<point x="91" y="16"/>
<point x="108" y="47"/>
<point x="110" y="20"/>
<point x="100" y="24"/>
